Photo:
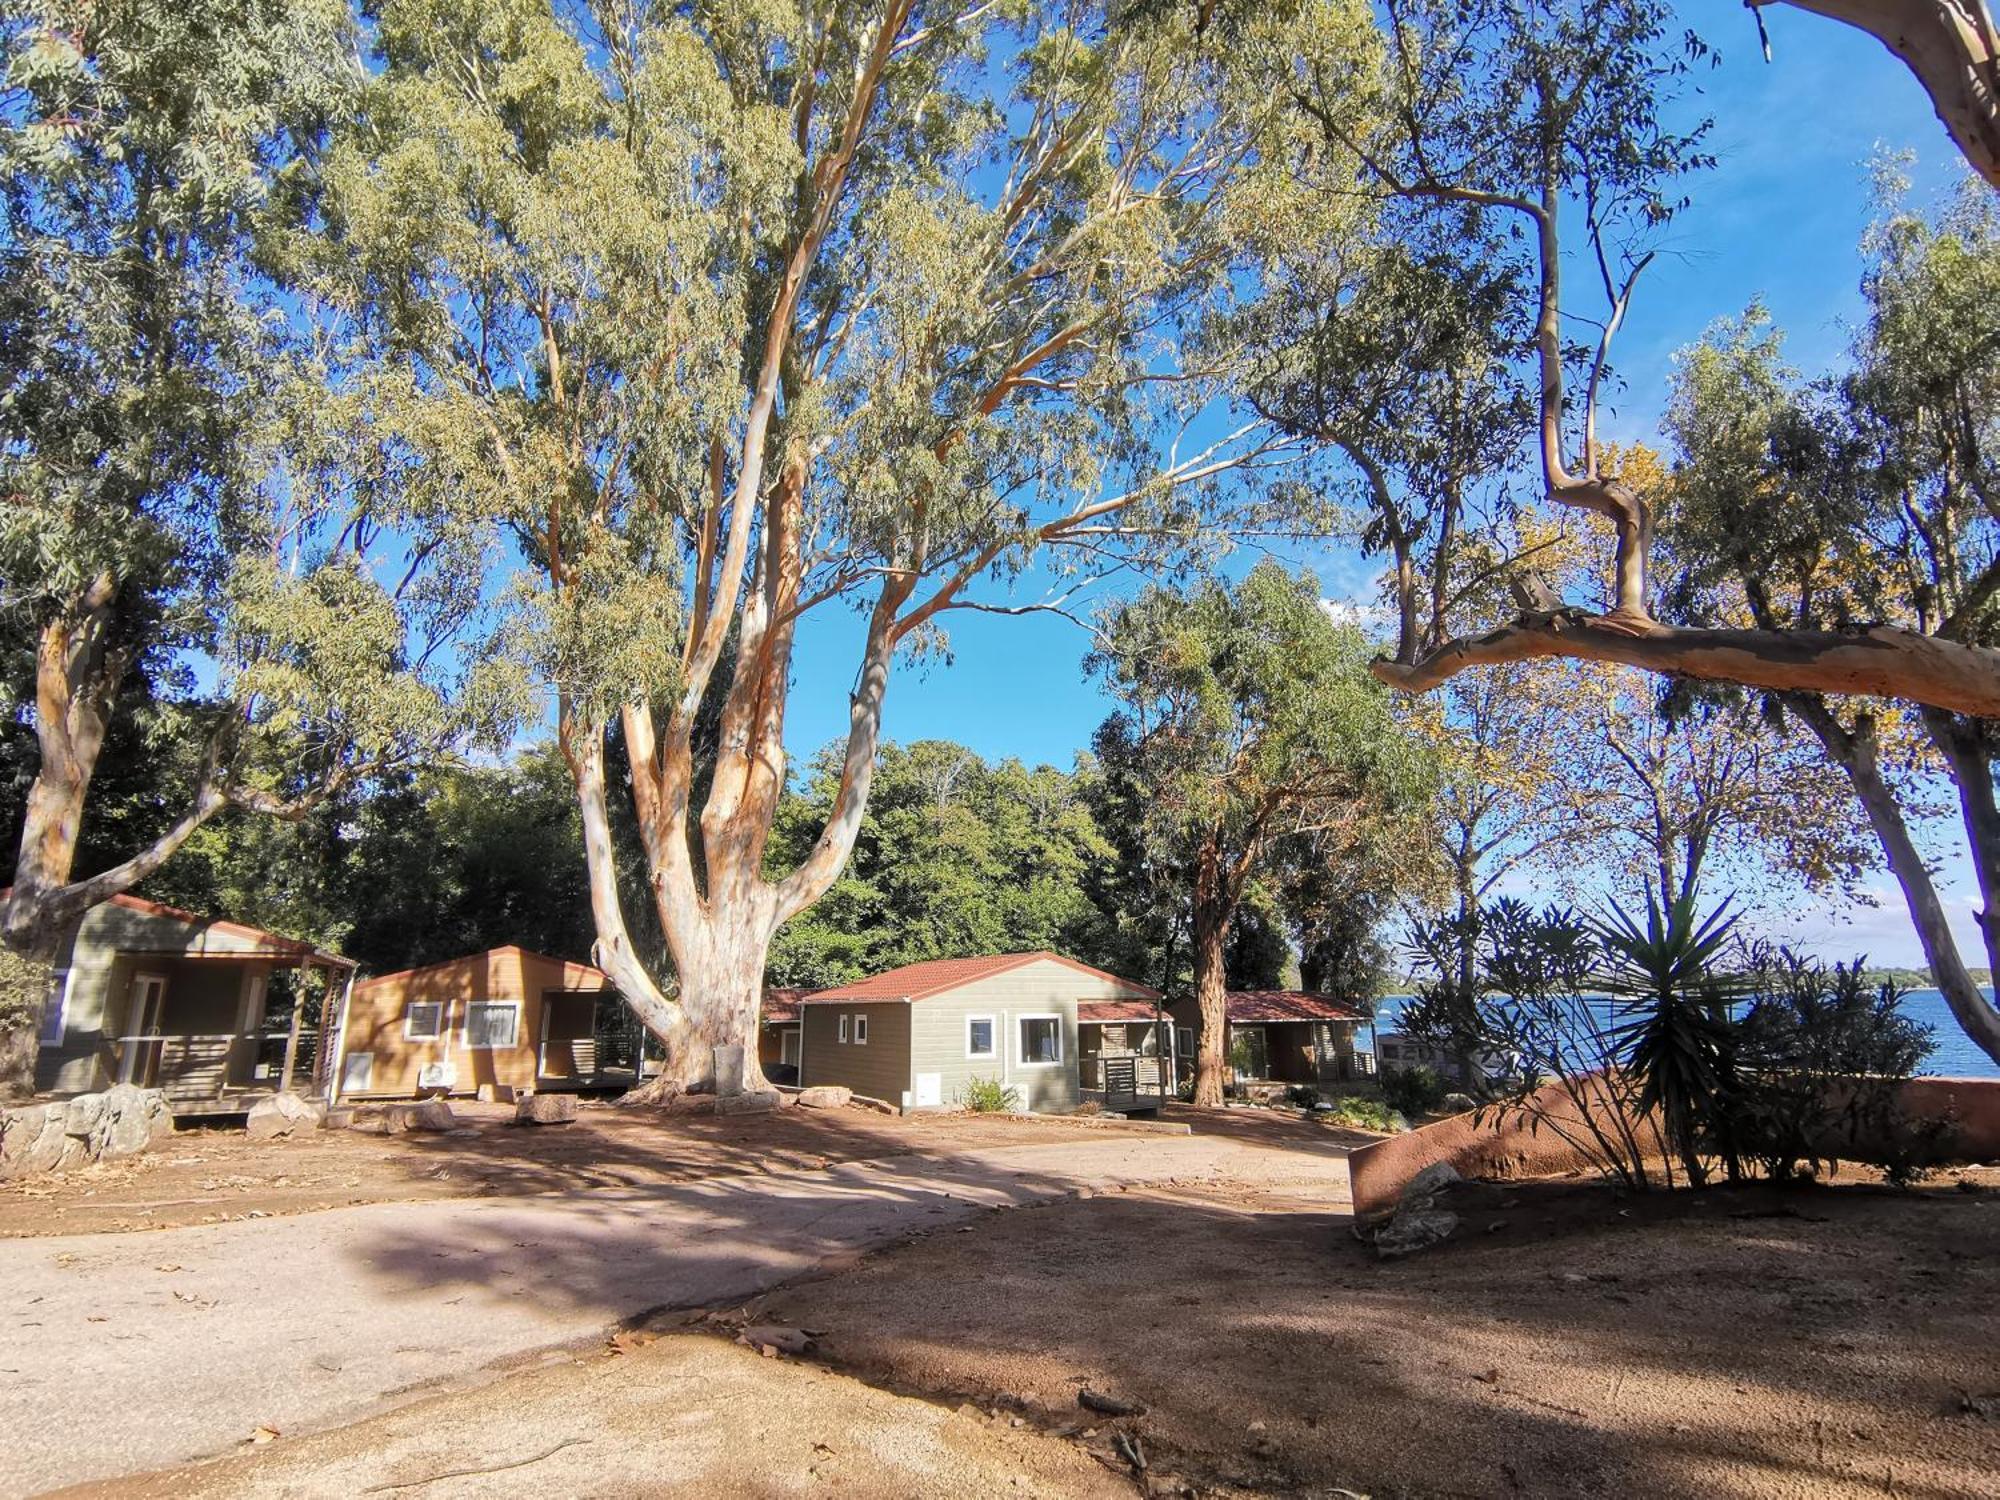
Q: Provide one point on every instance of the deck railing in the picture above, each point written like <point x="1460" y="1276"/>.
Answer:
<point x="1147" y="1071"/>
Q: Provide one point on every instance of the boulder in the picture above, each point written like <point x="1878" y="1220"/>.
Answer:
<point x="134" y="1119"/>
<point x="1422" y="1218"/>
<point x="748" y="1104"/>
<point x="83" y="1114"/>
<point x="430" y="1114"/>
<point x="544" y="1109"/>
<point x="825" y="1096"/>
<point x="283" y="1115"/>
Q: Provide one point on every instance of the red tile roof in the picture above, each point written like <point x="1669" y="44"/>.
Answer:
<point x="941" y="975"/>
<point x="1288" y="1005"/>
<point x="781" y="1004"/>
<point x="1114" y="1010"/>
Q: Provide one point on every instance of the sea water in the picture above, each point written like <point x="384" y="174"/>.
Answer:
<point x="1952" y="1054"/>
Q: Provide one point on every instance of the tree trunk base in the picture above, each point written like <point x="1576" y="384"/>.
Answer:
<point x="663" y="1090"/>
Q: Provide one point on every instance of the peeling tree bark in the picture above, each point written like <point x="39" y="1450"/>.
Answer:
<point x="1951" y="48"/>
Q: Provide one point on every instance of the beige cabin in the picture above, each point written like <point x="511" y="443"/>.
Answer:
<point x="921" y="1035"/>
<point x="217" y="1014"/>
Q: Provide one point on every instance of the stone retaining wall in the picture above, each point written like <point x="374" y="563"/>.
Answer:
<point x="64" y="1133"/>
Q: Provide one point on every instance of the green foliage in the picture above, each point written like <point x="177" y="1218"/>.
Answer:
<point x="1822" y="1052"/>
<point x="1414" y="1092"/>
<point x="1676" y="1036"/>
<point x="24" y="986"/>
<point x="1366" y="1114"/>
<point x="956" y="856"/>
<point x="987" y="1096"/>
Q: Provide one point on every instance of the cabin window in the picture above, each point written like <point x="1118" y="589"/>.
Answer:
<point x="843" y="1028"/>
<point x="1041" y="1041"/>
<point x="55" y="1005"/>
<point x="981" y="1037"/>
<point x="1184" y="1040"/>
<point x="423" y="1020"/>
<point x="491" y="1023"/>
<point x="860" y="1031"/>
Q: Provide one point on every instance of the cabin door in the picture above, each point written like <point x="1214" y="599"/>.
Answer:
<point x="137" y="1056"/>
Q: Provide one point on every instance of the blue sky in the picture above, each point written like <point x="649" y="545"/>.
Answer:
<point x="1779" y="218"/>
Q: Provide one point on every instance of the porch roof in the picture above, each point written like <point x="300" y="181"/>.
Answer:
<point x="268" y="944"/>
<point x="781" y="1004"/>
<point x="1092" y="1012"/>
<point x="1288" y="1005"/>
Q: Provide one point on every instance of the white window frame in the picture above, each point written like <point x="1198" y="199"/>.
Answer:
<point x="1021" y="1052"/>
<point x="843" y="1026"/>
<point x="860" y="1031"/>
<point x="437" y="1031"/>
<point x="55" y="1009"/>
<point x="992" y="1053"/>
<point x="514" y="1036"/>
<point x="790" y="1039"/>
<point x="1184" y="1040"/>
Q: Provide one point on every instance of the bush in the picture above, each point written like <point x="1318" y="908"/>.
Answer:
<point x="1414" y="1091"/>
<point x="1364" y="1114"/>
<point x="1821" y="1054"/>
<point x="987" y="1096"/>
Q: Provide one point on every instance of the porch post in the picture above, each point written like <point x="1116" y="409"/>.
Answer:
<point x="292" y="1034"/>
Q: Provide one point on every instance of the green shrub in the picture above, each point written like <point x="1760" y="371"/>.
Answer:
<point x="1364" y="1114"/>
<point x="1414" y="1091"/>
<point x="987" y="1096"/>
<point x="24" y="985"/>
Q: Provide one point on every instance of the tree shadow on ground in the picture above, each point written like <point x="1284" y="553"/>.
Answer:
<point x="1826" y="1350"/>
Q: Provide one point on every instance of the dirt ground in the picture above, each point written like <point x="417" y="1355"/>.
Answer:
<point x="204" y="1176"/>
<point x="690" y="1415"/>
<point x="1833" y="1341"/>
<point x="1842" y="1340"/>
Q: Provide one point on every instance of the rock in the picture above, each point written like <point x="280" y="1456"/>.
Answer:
<point x="1439" y="1174"/>
<point x="747" y="1104"/>
<point x="283" y="1115"/>
<point x="82" y="1114"/>
<point x="825" y="1096"/>
<point x="338" y="1119"/>
<point x="431" y="1114"/>
<point x="1457" y="1104"/>
<point x="1421" y="1218"/>
<point x="545" y="1109"/>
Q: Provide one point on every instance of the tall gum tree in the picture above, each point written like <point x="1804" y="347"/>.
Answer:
<point x="1536" y="121"/>
<point x="1247" y="719"/>
<point x="871" y="304"/>
<point x="1875" y="496"/>
<point x="164" y="494"/>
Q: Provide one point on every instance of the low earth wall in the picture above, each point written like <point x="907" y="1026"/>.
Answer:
<point x="121" y="1121"/>
<point x="1529" y="1141"/>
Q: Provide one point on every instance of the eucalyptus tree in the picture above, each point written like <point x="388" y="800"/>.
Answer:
<point x="1547" y="122"/>
<point x="176" y="509"/>
<point x="739" y="317"/>
<point x="1247" y="717"/>
<point x="1875" y="497"/>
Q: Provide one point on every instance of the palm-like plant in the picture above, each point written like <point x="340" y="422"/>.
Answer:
<point x="1676" y="1035"/>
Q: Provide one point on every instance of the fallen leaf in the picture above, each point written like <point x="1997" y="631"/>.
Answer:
<point x="263" y="1434"/>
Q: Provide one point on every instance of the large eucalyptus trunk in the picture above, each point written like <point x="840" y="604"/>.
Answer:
<point x="1211" y="990"/>
<point x="1855" y="752"/>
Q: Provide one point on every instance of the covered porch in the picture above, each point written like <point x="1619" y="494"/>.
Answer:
<point x="1125" y="1055"/>
<point x="216" y="1032"/>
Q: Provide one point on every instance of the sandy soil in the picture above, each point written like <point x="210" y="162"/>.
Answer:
<point x="1838" y="1341"/>
<point x="688" y="1415"/>
<point x="205" y="1176"/>
<point x="1835" y="1341"/>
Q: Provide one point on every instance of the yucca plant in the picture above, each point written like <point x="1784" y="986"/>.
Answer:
<point x="1675" y="1034"/>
